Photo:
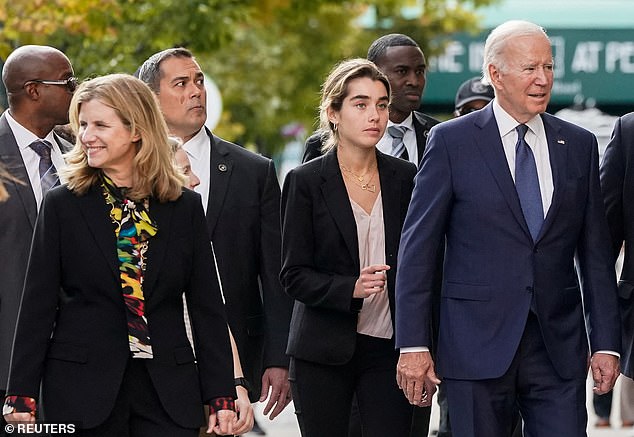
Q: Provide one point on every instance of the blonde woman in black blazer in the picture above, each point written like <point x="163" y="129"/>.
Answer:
<point x="103" y="334"/>
<point x="341" y="337"/>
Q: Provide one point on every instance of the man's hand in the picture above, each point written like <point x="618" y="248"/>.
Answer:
<point x="222" y="422"/>
<point x="275" y="380"/>
<point x="416" y="377"/>
<point x="605" y="370"/>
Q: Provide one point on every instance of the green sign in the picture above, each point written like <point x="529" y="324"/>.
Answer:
<point x="589" y="63"/>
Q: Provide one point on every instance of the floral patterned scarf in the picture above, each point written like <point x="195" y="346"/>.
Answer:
<point x="133" y="228"/>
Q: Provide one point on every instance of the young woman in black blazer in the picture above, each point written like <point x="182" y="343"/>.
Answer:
<point x="342" y="217"/>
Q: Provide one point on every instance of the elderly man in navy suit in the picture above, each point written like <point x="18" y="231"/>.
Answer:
<point x="515" y="194"/>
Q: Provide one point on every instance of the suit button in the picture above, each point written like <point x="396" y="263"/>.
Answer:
<point x="529" y="289"/>
<point x="535" y="250"/>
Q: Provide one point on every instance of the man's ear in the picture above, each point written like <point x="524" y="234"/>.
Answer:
<point x="494" y="74"/>
<point x="31" y="89"/>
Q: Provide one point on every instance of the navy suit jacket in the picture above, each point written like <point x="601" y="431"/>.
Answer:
<point x="320" y="263"/>
<point x="464" y="193"/>
<point x="617" y="182"/>
<point x="72" y="334"/>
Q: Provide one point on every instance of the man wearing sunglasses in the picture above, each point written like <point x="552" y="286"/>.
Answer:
<point x="39" y="83"/>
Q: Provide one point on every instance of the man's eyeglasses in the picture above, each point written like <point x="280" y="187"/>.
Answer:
<point x="70" y="83"/>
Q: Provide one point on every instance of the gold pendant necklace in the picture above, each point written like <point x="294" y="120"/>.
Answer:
<point x="367" y="186"/>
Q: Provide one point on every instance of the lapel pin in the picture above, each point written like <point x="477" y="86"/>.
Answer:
<point x="222" y="167"/>
<point x="561" y="141"/>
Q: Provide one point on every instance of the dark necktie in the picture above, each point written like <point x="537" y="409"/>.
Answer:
<point x="398" y="146"/>
<point x="48" y="173"/>
<point x="527" y="183"/>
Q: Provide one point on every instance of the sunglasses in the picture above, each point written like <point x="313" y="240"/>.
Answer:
<point x="71" y="83"/>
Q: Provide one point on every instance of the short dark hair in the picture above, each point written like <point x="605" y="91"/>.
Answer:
<point x="150" y="71"/>
<point x="380" y="45"/>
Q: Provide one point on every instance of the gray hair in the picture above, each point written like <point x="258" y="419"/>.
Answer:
<point x="497" y="40"/>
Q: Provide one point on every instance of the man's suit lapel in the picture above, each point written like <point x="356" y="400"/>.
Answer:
<point x="488" y="141"/>
<point x="96" y="213"/>
<point x="12" y="159"/>
<point x="219" y="175"/>
<point x="158" y="247"/>
<point x="421" y="128"/>
<point x="558" y="153"/>
<point x="336" y="197"/>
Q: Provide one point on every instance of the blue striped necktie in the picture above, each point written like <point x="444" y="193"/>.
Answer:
<point x="48" y="173"/>
<point x="527" y="183"/>
<point x="398" y="146"/>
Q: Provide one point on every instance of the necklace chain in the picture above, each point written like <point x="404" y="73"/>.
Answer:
<point x="360" y="178"/>
<point x="359" y="181"/>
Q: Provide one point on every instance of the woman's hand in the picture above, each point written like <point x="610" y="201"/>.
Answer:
<point x="244" y="411"/>
<point x="222" y="422"/>
<point x="14" y="418"/>
<point x="371" y="281"/>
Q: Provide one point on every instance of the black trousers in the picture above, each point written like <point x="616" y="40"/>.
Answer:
<point x="322" y="394"/>
<point x="138" y="411"/>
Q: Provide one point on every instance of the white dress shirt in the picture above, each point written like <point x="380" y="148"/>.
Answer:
<point x="409" y="139"/>
<point x="198" y="150"/>
<point x="536" y="139"/>
<point x="24" y="138"/>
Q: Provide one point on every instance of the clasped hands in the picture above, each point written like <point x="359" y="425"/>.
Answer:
<point x="415" y="375"/>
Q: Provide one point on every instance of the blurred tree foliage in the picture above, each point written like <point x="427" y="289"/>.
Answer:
<point x="268" y="57"/>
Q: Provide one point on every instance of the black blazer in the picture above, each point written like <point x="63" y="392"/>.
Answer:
<point x="243" y="219"/>
<point x="422" y="124"/>
<point x="320" y="263"/>
<point x="617" y="183"/>
<point x="72" y="333"/>
<point x="17" y="221"/>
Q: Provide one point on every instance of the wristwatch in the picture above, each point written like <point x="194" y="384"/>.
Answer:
<point x="243" y="382"/>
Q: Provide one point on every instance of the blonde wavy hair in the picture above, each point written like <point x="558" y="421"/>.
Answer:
<point x="154" y="172"/>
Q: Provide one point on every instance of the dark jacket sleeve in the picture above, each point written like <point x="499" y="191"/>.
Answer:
<point x="277" y="305"/>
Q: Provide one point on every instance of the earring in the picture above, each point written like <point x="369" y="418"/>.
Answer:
<point x="334" y="127"/>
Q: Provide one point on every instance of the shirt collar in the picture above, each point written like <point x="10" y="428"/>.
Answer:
<point x="506" y="123"/>
<point x="196" y="144"/>
<point x="25" y="137"/>
<point x="408" y="122"/>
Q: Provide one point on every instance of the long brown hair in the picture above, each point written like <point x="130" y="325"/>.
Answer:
<point x="335" y="90"/>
